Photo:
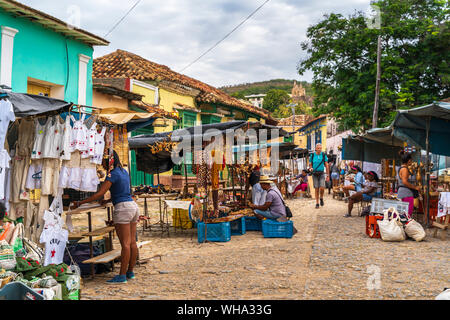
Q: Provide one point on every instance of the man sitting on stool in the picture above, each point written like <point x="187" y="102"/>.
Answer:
<point x="274" y="207"/>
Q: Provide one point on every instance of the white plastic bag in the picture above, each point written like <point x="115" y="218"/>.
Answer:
<point x="391" y="230"/>
<point x="415" y="230"/>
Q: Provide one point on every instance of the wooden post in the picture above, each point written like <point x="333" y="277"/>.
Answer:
<point x="427" y="173"/>
<point x="91" y="245"/>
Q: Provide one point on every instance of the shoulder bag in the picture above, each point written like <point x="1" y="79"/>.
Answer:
<point x="288" y="210"/>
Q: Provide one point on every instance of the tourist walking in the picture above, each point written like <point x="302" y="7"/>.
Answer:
<point x="318" y="161"/>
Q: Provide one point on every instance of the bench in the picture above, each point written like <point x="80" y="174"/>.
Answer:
<point x="111" y="255"/>
<point x="99" y="232"/>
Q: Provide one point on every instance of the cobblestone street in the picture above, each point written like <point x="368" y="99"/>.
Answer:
<point x="329" y="258"/>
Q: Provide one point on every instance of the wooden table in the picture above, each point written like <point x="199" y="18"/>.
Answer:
<point x="163" y="222"/>
<point x="92" y="233"/>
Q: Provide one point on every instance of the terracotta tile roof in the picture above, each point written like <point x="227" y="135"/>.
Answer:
<point x="123" y="64"/>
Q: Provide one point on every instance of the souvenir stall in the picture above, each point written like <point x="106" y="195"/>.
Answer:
<point x="33" y="143"/>
<point x="428" y="128"/>
<point x="56" y="149"/>
<point x="210" y="207"/>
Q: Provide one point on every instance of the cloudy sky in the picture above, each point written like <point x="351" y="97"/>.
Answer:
<point x="176" y="32"/>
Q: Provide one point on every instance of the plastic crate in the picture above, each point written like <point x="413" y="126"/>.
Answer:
<point x="215" y="232"/>
<point x="253" y="224"/>
<point x="378" y="205"/>
<point x="275" y="229"/>
<point x="19" y="291"/>
<point x="238" y="227"/>
<point x="372" y="229"/>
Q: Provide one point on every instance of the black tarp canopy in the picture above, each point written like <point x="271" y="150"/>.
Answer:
<point x="25" y="105"/>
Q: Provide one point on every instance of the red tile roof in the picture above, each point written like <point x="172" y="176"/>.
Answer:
<point x="123" y="64"/>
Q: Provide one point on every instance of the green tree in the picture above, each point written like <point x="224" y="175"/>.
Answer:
<point x="274" y="99"/>
<point x="342" y="54"/>
<point x="238" y="95"/>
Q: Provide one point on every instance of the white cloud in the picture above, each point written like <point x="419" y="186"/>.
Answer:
<point x="175" y="32"/>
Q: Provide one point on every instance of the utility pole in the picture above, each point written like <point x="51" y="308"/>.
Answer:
<point x="292" y="106"/>
<point x="377" y="89"/>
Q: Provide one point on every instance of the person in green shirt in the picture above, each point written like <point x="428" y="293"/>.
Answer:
<point x="318" y="161"/>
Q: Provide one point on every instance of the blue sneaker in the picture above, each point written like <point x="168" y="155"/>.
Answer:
<point x="130" y="275"/>
<point x="121" y="278"/>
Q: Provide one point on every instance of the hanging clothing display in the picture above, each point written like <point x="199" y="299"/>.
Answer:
<point x="65" y="142"/>
<point x="99" y="146"/>
<point x="55" y="240"/>
<point x="25" y="140"/>
<point x="78" y="139"/>
<point x="4" y="166"/>
<point x="34" y="175"/>
<point x="6" y="116"/>
<point x="39" y="139"/>
<point x="50" y="176"/>
<point x="53" y="139"/>
<point x="79" y="174"/>
<point x="90" y="146"/>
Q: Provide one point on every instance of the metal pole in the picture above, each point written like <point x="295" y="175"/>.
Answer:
<point x="377" y="90"/>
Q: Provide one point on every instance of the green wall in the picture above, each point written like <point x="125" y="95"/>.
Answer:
<point x="40" y="53"/>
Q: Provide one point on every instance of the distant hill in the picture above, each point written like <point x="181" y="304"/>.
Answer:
<point x="264" y="86"/>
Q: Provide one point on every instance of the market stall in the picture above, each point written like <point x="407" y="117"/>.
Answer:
<point x="211" y="204"/>
<point x="50" y="154"/>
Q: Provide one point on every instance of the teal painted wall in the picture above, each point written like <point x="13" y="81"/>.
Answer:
<point x="40" y="53"/>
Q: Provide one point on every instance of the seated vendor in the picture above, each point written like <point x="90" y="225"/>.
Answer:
<point x="357" y="181"/>
<point x="303" y="186"/>
<point x="274" y="207"/>
<point x="366" y="194"/>
<point x="258" y="193"/>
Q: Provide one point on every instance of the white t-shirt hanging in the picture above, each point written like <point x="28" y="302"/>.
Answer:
<point x="4" y="165"/>
<point x="55" y="240"/>
<point x="6" y="115"/>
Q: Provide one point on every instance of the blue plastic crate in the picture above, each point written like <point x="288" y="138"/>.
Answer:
<point x="275" y="229"/>
<point x="253" y="224"/>
<point x="238" y="227"/>
<point x="216" y="232"/>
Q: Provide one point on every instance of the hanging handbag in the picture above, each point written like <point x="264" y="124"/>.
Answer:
<point x="391" y="230"/>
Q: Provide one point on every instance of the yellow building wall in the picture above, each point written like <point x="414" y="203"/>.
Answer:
<point x="147" y="93"/>
<point x="108" y="101"/>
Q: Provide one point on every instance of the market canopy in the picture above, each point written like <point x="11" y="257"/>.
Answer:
<point x="25" y="105"/>
<point x="384" y="136"/>
<point x="412" y="125"/>
<point x="358" y="148"/>
<point x="122" y="116"/>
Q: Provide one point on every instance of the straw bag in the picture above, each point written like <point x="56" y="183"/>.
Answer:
<point x="7" y="256"/>
<point x="415" y="230"/>
<point x="391" y="230"/>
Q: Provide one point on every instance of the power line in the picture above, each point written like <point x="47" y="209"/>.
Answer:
<point x="226" y="36"/>
<point x="120" y="21"/>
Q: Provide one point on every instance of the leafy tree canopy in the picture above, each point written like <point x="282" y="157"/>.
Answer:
<point x="274" y="99"/>
<point x="342" y="54"/>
